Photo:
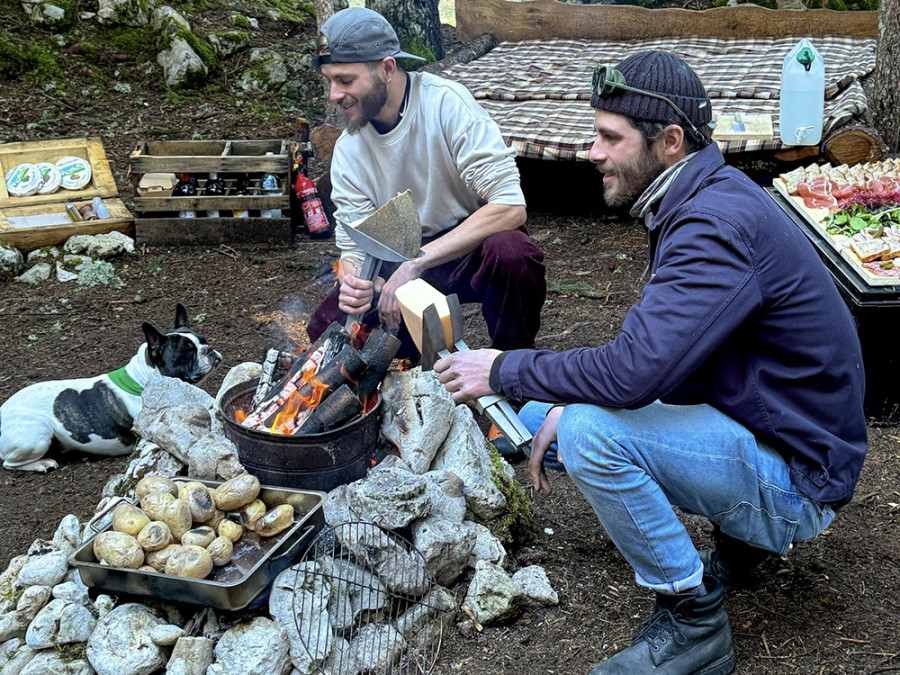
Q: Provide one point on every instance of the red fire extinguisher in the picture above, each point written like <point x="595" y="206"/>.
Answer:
<point x="313" y="213"/>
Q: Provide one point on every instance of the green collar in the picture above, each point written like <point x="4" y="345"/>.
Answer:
<point x="125" y="382"/>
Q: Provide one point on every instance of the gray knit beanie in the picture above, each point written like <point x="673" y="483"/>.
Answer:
<point x="662" y="73"/>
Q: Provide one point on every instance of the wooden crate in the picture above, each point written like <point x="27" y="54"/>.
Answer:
<point x="40" y="220"/>
<point x="157" y="221"/>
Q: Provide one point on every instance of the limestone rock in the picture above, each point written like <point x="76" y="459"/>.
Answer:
<point x="129" y="624"/>
<point x="238" y="650"/>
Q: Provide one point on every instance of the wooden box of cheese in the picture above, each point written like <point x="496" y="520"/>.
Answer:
<point x="33" y="221"/>
<point x="873" y="272"/>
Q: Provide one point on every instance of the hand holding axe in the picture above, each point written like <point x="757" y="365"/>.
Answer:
<point x="435" y="343"/>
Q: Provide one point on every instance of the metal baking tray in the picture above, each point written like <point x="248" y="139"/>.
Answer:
<point x="231" y="587"/>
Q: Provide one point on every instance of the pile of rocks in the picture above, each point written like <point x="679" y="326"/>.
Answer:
<point x="442" y="487"/>
<point x="83" y="259"/>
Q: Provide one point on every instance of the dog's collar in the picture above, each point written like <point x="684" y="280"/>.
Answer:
<point x="125" y="382"/>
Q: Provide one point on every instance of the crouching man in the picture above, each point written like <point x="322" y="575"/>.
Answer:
<point x="735" y="389"/>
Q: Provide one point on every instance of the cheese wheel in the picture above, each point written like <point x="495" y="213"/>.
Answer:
<point x="24" y="180"/>
<point x="414" y="298"/>
<point x="52" y="177"/>
<point x="76" y="172"/>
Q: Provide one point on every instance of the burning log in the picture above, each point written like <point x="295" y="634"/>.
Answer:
<point x="346" y="366"/>
<point x="378" y="352"/>
<point x="331" y="368"/>
<point x="340" y="407"/>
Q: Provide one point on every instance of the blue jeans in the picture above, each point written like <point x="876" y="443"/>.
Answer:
<point x="633" y="465"/>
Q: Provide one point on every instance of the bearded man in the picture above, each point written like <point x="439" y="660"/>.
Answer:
<point x="419" y="132"/>
<point x="734" y="391"/>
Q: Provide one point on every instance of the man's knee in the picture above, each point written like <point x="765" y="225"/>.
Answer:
<point x="585" y="437"/>
<point x="511" y="251"/>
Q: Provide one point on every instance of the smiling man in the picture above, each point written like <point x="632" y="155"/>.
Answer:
<point x="734" y="390"/>
<point x="420" y="132"/>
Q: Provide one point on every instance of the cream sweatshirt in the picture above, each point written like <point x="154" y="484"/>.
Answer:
<point x="446" y="150"/>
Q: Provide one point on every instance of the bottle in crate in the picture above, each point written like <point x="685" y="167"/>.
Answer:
<point x="270" y="186"/>
<point x="241" y="190"/>
<point x="215" y="187"/>
<point x="186" y="187"/>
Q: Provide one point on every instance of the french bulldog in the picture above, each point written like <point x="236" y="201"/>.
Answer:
<point x="95" y="414"/>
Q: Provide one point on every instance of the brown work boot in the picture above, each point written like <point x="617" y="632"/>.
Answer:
<point x="687" y="634"/>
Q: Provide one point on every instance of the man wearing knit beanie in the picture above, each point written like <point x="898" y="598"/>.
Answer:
<point x="735" y="390"/>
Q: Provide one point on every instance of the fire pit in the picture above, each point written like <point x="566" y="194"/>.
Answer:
<point x="319" y="461"/>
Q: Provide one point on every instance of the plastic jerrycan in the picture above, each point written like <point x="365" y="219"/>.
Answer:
<point x="802" y="104"/>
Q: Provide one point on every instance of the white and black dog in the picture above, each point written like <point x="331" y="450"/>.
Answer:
<point x="95" y="414"/>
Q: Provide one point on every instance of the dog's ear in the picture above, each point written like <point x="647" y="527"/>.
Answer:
<point x="181" y="317"/>
<point x="154" y="341"/>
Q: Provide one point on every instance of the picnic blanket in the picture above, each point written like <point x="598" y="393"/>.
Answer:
<point x="539" y="91"/>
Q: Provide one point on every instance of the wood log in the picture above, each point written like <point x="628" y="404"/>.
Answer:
<point x="347" y="366"/>
<point x="378" y="352"/>
<point x="468" y="52"/>
<point x="543" y="19"/>
<point x="854" y="143"/>
<point x="340" y="407"/>
<point x="323" y="139"/>
<point x="794" y="154"/>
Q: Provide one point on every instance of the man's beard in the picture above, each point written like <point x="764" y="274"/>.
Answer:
<point x="632" y="179"/>
<point x="368" y="107"/>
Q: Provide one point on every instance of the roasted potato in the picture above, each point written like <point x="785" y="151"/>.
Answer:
<point x="118" y="549"/>
<point x="129" y="519"/>
<point x="275" y="521"/>
<point x="237" y="492"/>
<point x="159" y="484"/>
<point x="178" y="517"/>
<point x="231" y="529"/>
<point x="198" y="536"/>
<point x="220" y="550"/>
<point x="155" y="535"/>
<point x="200" y="501"/>
<point x="252" y="512"/>
<point x="158" y="559"/>
<point x="155" y="503"/>
<point x="190" y="561"/>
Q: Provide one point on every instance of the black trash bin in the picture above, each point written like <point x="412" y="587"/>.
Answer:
<point x="876" y="310"/>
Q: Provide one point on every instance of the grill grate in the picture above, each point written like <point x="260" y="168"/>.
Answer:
<point x="364" y="603"/>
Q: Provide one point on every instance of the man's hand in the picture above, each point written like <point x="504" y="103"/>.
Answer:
<point x="388" y="307"/>
<point x="355" y="296"/>
<point x="543" y="439"/>
<point x="466" y="375"/>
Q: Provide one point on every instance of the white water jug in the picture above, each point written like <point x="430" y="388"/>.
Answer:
<point x="802" y="102"/>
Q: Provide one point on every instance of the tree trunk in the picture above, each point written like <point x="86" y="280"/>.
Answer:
<point x="418" y="25"/>
<point x="886" y="96"/>
<point x="324" y="11"/>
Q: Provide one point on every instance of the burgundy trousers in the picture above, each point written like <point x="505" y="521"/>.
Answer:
<point x="505" y="274"/>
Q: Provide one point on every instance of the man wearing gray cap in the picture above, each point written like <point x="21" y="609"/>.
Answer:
<point x="735" y="390"/>
<point x="419" y="132"/>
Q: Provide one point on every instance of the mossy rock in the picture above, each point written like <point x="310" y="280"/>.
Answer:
<point x="31" y="61"/>
<point x="513" y="528"/>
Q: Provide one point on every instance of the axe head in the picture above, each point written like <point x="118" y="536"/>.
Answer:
<point x="434" y="342"/>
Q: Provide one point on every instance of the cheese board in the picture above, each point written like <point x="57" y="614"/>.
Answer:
<point x="855" y="210"/>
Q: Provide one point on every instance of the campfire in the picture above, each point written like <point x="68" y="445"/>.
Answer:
<point x="330" y="383"/>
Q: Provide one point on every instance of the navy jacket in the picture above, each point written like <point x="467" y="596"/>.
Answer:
<point x="739" y="313"/>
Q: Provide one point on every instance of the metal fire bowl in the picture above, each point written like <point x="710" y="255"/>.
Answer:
<point x="313" y="461"/>
<point x="256" y="562"/>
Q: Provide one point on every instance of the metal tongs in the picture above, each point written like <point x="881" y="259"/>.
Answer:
<point x="434" y="346"/>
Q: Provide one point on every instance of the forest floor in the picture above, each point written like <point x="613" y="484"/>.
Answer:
<point x="831" y="607"/>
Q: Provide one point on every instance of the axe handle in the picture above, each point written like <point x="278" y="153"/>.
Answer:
<point x="370" y="269"/>
<point x="498" y="410"/>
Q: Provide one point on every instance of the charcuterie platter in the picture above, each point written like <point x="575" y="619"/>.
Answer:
<point x="856" y="210"/>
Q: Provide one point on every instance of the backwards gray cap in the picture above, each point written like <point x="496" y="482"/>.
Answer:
<point x="357" y="35"/>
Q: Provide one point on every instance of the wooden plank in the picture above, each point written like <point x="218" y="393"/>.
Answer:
<point x="543" y="19"/>
<point x="202" y="165"/>
<point x="201" y="203"/>
<point x="815" y="217"/>
<point x="90" y="148"/>
<point x="212" y="230"/>
<point x="212" y="148"/>
<point x="30" y="238"/>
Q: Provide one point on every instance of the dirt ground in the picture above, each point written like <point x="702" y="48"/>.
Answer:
<point x="832" y="607"/>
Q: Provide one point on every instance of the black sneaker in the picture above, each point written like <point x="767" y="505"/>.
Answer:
<point x="732" y="561"/>
<point x="687" y="634"/>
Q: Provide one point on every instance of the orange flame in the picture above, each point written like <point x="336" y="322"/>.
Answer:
<point x="284" y="421"/>
<point x="239" y="416"/>
<point x="403" y="364"/>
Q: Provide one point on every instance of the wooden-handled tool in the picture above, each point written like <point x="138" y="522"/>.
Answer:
<point x="392" y="233"/>
<point x="436" y="325"/>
